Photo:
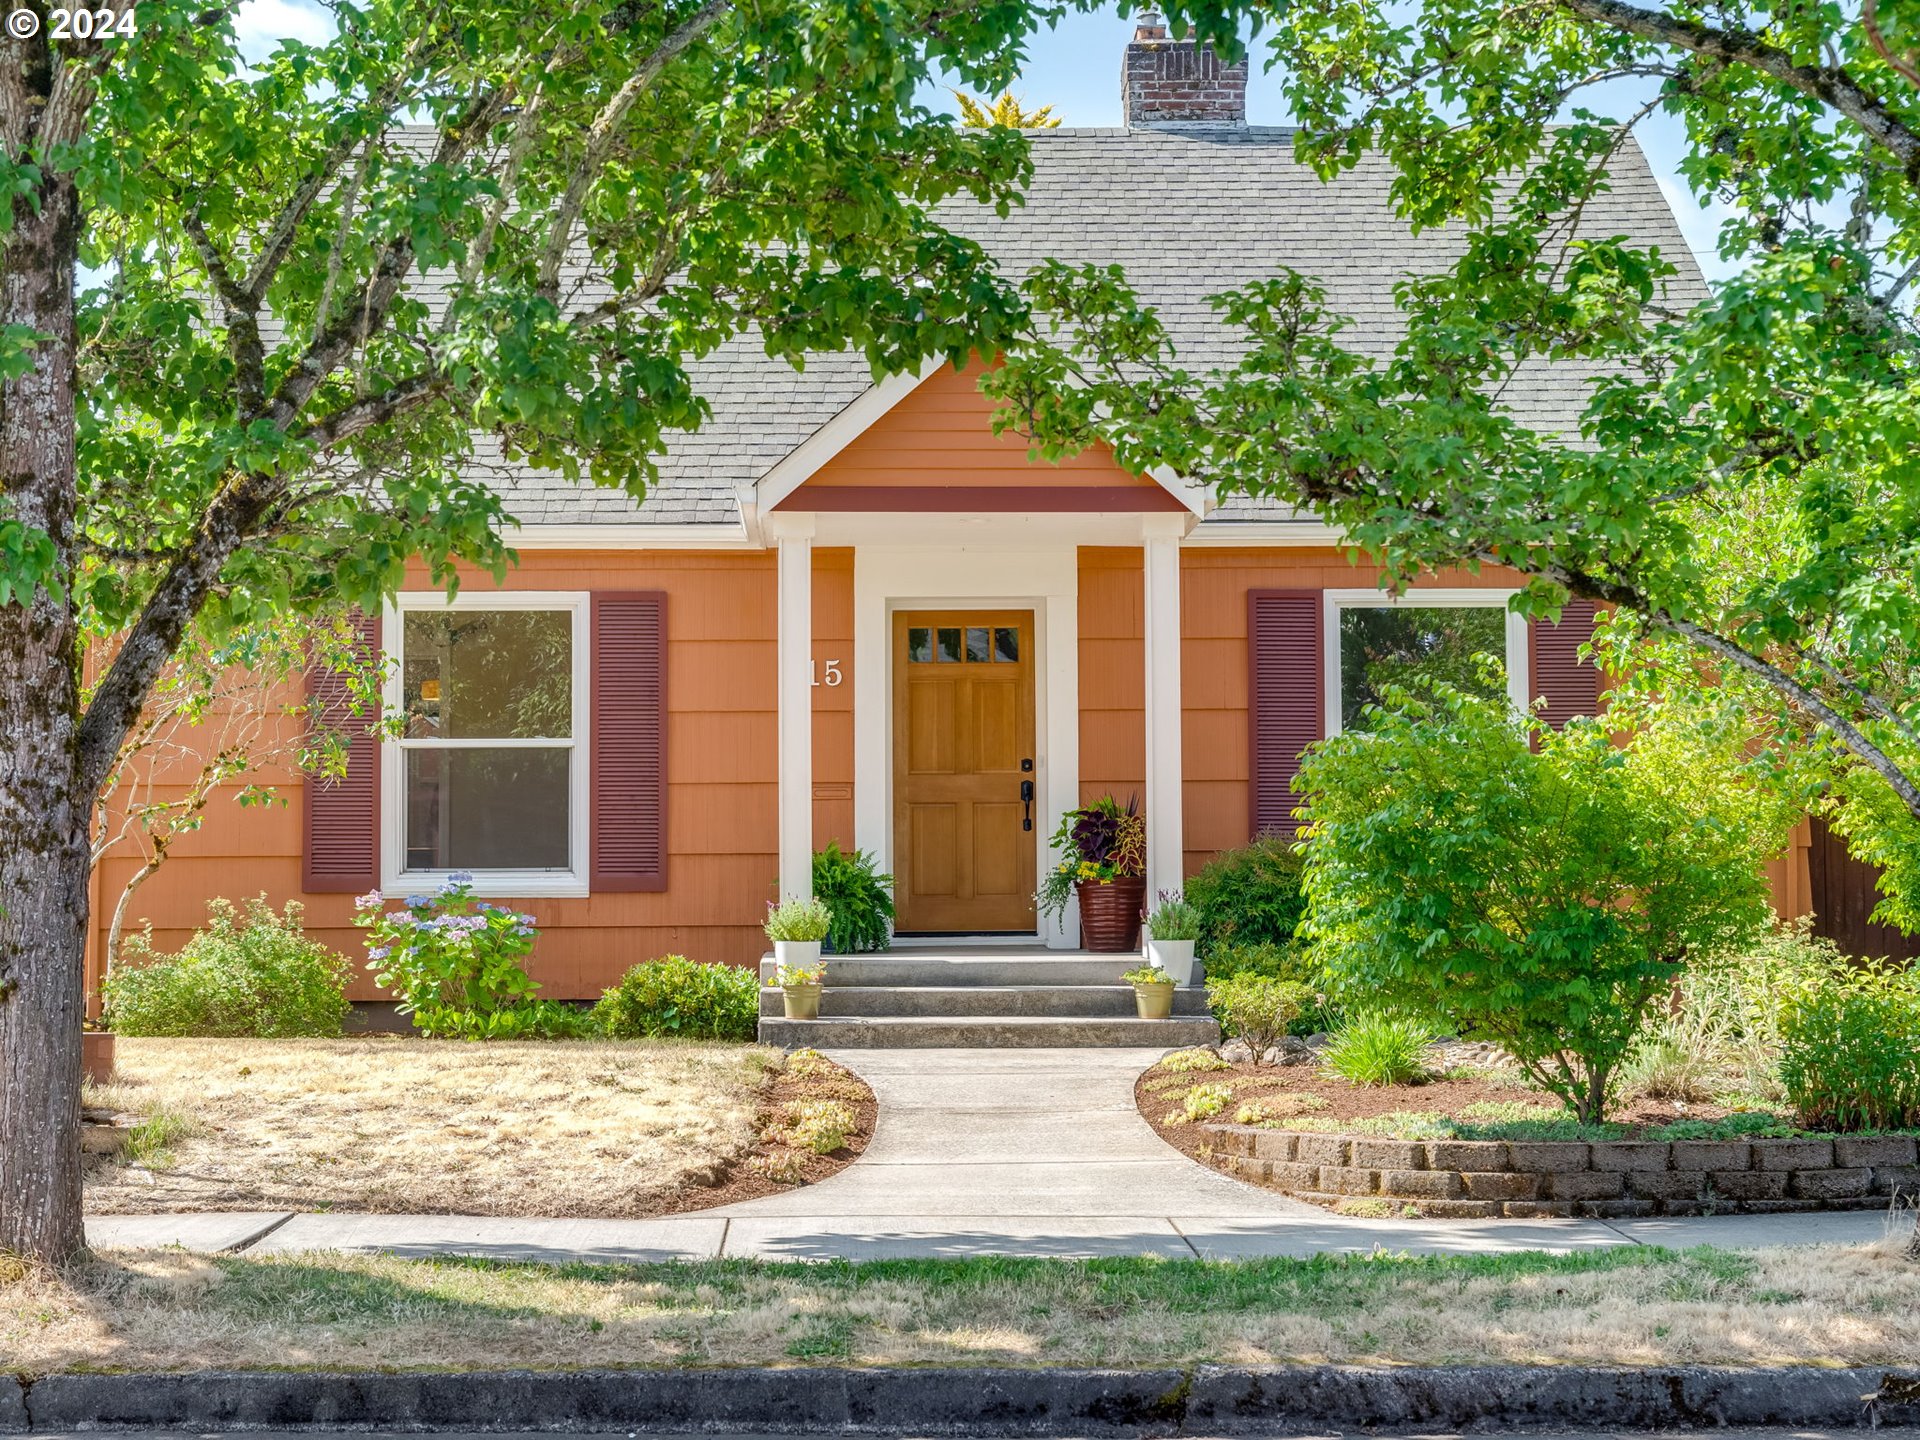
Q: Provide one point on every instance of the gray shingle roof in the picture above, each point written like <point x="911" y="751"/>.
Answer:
<point x="1189" y="213"/>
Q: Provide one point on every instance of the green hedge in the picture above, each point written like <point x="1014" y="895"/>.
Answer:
<point x="677" y="996"/>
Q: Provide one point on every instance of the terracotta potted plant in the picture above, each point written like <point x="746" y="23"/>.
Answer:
<point x="1172" y="930"/>
<point x="1103" y="864"/>
<point x="1152" y="992"/>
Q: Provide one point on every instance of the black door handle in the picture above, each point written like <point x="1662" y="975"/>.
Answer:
<point x="1026" y="799"/>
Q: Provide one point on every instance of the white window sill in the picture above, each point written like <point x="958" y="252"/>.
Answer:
<point x="494" y="884"/>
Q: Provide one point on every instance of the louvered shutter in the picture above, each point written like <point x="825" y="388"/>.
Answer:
<point x="1286" y="703"/>
<point x="342" y="821"/>
<point x="629" y="782"/>
<point x="1570" y="685"/>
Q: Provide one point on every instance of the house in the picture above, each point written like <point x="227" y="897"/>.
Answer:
<point x="850" y="612"/>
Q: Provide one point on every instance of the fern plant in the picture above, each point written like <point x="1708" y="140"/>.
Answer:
<point x="859" y="897"/>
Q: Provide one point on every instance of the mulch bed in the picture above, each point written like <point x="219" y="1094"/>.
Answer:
<point x="1339" y="1100"/>
<point x="749" y="1176"/>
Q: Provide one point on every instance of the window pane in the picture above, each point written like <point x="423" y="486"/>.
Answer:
<point x="488" y="674"/>
<point x="949" y="643"/>
<point x="979" y="646"/>
<point x="1006" y="644"/>
<point x="919" y="644"/>
<point x="1393" y="645"/>
<point x="487" y="809"/>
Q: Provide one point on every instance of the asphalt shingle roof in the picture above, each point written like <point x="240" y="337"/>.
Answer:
<point x="1188" y="213"/>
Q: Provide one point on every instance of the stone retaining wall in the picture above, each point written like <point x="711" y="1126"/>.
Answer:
<point x="1603" y="1179"/>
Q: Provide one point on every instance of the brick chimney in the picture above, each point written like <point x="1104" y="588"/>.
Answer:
<point x="1178" y="82"/>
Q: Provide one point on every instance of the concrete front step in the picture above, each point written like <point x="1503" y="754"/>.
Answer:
<point x="1059" y="1002"/>
<point x="1035" y="967"/>
<point x="1006" y="1032"/>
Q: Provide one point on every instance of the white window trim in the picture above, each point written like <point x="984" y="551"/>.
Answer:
<point x="531" y="884"/>
<point x="1334" y="601"/>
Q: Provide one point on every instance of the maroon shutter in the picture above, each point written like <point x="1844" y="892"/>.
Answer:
<point x="1286" y="700"/>
<point x="1571" y="685"/>
<point x="342" y="841"/>
<point x="628" y="793"/>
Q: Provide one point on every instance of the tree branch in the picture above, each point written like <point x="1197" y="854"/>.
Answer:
<point x="1831" y="84"/>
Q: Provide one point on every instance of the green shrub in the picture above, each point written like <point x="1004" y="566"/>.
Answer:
<point x="796" y="919"/>
<point x="1377" y="1047"/>
<point x="1249" y="896"/>
<point x="1291" y="961"/>
<point x="677" y="996"/>
<point x="1850" y="1048"/>
<point x="252" y="974"/>
<point x="1174" y="919"/>
<point x="857" y="896"/>
<point x="454" y="961"/>
<point x="529" y="1020"/>
<point x="1257" y="1008"/>
<point x="1539" y="888"/>
<point x="1203" y="1102"/>
<point x="821" y="1126"/>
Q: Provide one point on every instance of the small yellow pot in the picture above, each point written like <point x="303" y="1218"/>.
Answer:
<point x="1155" y="1002"/>
<point x="802" y="1001"/>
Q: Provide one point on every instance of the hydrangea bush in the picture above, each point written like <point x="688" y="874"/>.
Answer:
<point x="454" y="961"/>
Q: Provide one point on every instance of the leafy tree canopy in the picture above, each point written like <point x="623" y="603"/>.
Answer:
<point x="1745" y="475"/>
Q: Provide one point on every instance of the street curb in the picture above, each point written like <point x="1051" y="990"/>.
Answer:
<point x="1214" y="1400"/>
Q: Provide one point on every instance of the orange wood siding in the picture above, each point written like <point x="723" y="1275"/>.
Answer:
<point x="722" y="806"/>
<point x="1213" y="671"/>
<point x="833" y="704"/>
<point x="942" y="434"/>
<point x="1113" y="727"/>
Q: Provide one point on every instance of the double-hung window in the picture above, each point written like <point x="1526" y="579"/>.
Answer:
<point x="1374" y="642"/>
<point x="489" y="774"/>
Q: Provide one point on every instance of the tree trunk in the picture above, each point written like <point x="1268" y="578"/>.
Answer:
<point x="44" y="812"/>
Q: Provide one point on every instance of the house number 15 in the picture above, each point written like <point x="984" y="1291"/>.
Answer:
<point x="833" y="676"/>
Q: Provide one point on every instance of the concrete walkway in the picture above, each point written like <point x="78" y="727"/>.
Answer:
<point x="979" y="1152"/>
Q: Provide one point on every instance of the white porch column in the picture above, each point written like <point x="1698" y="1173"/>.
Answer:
<point x="1166" y="834"/>
<point x="795" y="696"/>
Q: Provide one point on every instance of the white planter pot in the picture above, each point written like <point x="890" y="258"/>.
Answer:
<point x="799" y="954"/>
<point x="1173" y="956"/>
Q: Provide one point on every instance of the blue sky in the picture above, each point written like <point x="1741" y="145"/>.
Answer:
<point x="1076" y="69"/>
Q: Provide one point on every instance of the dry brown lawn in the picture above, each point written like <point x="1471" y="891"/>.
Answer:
<point x="173" y="1311"/>
<point x="398" y="1124"/>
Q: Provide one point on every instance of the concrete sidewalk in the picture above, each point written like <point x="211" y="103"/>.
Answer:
<point x="971" y="1156"/>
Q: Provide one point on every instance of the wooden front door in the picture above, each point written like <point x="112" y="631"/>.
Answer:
<point x="963" y="835"/>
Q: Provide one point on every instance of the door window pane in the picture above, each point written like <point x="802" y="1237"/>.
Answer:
<point x="949" y="643"/>
<point x="979" y="646"/>
<point x="480" y="809"/>
<point x="488" y="674"/>
<point x="1383" y="645"/>
<point x="1006" y="643"/>
<point x="919" y="644"/>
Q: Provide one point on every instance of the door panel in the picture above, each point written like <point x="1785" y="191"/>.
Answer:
<point x="963" y="723"/>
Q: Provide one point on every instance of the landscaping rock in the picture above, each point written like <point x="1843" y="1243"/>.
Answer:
<point x="1500" y="1185"/>
<point x="1460" y="1209"/>
<point x="1293" y="1176"/>
<point x="1273" y="1144"/>
<point x="1421" y="1184"/>
<point x="1712" y="1155"/>
<point x="1874" y="1151"/>
<point x="1477" y="1155"/>
<point x="1792" y="1154"/>
<point x="1667" y="1184"/>
<point x="1233" y="1139"/>
<point x="1829" y="1184"/>
<point x="13" y="1405"/>
<point x="1537" y="1209"/>
<point x="1896" y="1179"/>
<point x="1542" y="1156"/>
<point x="1349" y="1180"/>
<point x="1321" y="1149"/>
<point x="1613" y="1209"/>
<point x="1389" y="1154"/>
<point x="1586" y="1185"/>
<point x="1623" y="1155"/>
<point x="1749" y="1184"/>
